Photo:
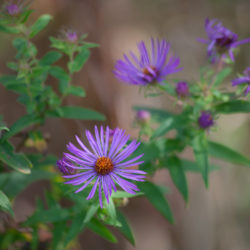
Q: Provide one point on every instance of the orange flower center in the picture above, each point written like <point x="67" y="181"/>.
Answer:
<point x="147" y="72"/>
<point x="104" y="165"/>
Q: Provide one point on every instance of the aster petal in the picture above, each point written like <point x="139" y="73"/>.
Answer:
<point x="106" y="141"/>
<point x="125" y="185"/>
<point x="77" y="160"/>
<point x="123" y="164"/>
<point x="241" y="80"/>
<point x="100" y="194"/>
<point x="115" y="141"/>
<point x="236" y="44"/>
<point x="85" y="148"/>
<point x="130" y="176"/>
<point x="78" y="180"/>
<point x="92" y="192"/>
<point x="98" y="141"/>
<point x="92" y="143"/>
<point x="247" y="90"/>
<point x="79" y="153"/>
<point x="85" y="185"/>
<point x="105" y="188"/>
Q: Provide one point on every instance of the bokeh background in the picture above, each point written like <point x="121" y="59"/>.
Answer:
<point x="214" y="219"/>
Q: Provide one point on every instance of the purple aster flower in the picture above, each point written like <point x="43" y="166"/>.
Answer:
<point x="182" y="89"/>
<point x="72" y="36"/>
<point x="220" y="40"/>
<point x="64" y="166"/>
<point x="143" y="116"/>
<point x="205" y="120"/>
<point x="151" y="67"/>
<point x="245" y="79"/>
<point x="104" y="164"/>
<point x="12" y="9"/>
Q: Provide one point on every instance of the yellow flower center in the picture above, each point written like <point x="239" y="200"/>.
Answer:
<point x="104" y="165"/>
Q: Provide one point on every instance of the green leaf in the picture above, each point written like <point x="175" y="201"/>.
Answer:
<point x="50" y="58"/>
<point x="62" y="76"/>
<point x="150" y="151"/>
<point x="199" y="146"/>
<point x="220" y="77"/>
<point x="39" y="25"/>
<point x="21" y="181"/>
<point x="156" y="197"/>
<point x="75" y="90"/>
<point x="5" y="203"/>
<point x="9" y="29"/>
<point x="225" y="153"/>
<point x="90" y="213"/>
<point x="18" y="162"/>
<point x="76" y="227"/>
<point x="125" y="228"/>
<point x="79" y="61"/>
<point x="22" y="123"/>
<point x="72" y="112"/>
<point x="191" y="166"/>
<point x="97" y="227"/>
<point x="165" y="126"/>
<point x="178" y="176"/>
<point x="123" y="194"/>
<point x="236" y="106"/>
<point x="53" y="214"/>
<point x="59" y="229"/>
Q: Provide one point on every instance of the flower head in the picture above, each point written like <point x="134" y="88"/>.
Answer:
<point x="245" y="79"/>
<point x="64" y="166"/>
<point x="12" y="9"/>
<point x="205" y="120"/>
<point x="182" y="89"/>
<point x="151" y="67"/>
<point x="72" y="36"/>
<point x="143" y="116"/>
<point x="220" y="40"/>
<point x="104" y="164"/>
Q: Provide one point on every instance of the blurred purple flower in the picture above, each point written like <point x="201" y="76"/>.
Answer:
<point x="104" y="164"/>
<point x="64" y="166"/>
<point x="143" y="116"/>
<point x="12" y="9"/>
<point x="182" y="89"/>
<point x="205" y="120"/>
<point x="220" y="40"/>
<point x="245" y="79"/>
<point x="151" y="67"/>
<point x="72" y="36"/>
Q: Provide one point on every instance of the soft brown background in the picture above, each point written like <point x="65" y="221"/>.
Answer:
<point x="215" y="219"/>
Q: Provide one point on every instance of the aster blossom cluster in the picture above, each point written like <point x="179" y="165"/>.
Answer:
<point x="152" y="66"/>
<point x="221" y="41"/>
<point x="104" y="164"/>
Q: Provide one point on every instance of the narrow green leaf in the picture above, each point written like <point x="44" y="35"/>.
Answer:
<point x="123" y="194"/>
<point x="79" y="61"/>
<point x="125" y="228"/>
<point x="50" y="58"/>
<point x="225" y="153"/>
<point x="22" y="123"/>
<point x="18" y="162"/>
<point x="5" y="203"/>
<point x="97" y="227"/>
<point x="166" y="126"/>
<point x="10" y="30"/>
<point x="75" y="90"/>
<point x="220" y="77"/>
<point x="90" y="213"/>
<point x="54" y="214"/>
<point x="156" y="197"/>
<point x="72" y="112"/>
<point x="21" y="181"/>
<point x="62" y="77"/>
<point x="76" y="227"/>
<point x="236" y="106"/>
<point x="178" y="176"/>
<point x="39" y="25"/>
<point x="191" y="166"/>
<point x="201" y="155"/>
